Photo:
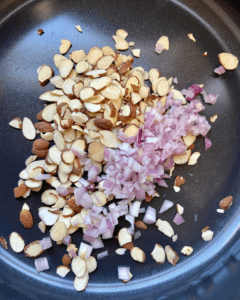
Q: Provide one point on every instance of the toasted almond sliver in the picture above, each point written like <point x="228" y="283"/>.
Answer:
<point x="80" y="283"/>
<point x="182" y="158"/>
<point x="165" y="228"/>
<point x="193" y="158"/>
<point x="172" y="256"/>
<point x="207" y="235"/>
<point x="93" y="55"/>
<point x="228" y="60"/>
<point x="78" y="27"/>
<point x="121" y="44"/>
<point x="65" y="46"/>
<point x="28" y="129"/>
<point x="16" y="242"/>
<point x="163" y="40"/>
<point x="121" y="33"/>
<point x="187" y="250"/>
<point x="189" y="139"/>
<point x="136" y="52"/>
<point x="191" y="37"/>
<point x="109" y="139"/>
<point x="16" y="123"/>
<point x="138" y="255"/>
<point x="124" y="237"/>
<point x="158" y="254"/>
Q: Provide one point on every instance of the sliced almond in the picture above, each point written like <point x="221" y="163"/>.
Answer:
<point x="124" y="237"/>
<point x="178" y="95"/>
<point x="182" y="158"/>
<point x="42" y="226"/>
<point x="193" y="158"/>
<point x="191" y="37"/>
<point x="207" y="235"/>
<point x="96" y="73"/>
<point x="44" y="74"/>
<point x="158" y="254"/>
<point x="57" y="81"/>
<point x="165" y="228"/>
<point x="63" y="271"/>
<point x="228" y="60"/>
<point x="65" y="67"/>
<point x="28" y="129"/>
<point x="58" y="58"/>
<point x="47" y="216"/>
<point x="172" y="256"/>
<point x="91" y="264"/>
<point x="82" y="67"/>
<point x="109" y="139"/>
<point x="136" y="52"/>
<point x="16" y="242"/>
<point x="3" y="242"/>
<point x="80" y="283"/>
<point x="86" y="93"/>
<point x="65" y="46"/>
<point x="180" y="209"/>
<point x="79" y="146"/>
<point x="92" y="107"/>
<point x="138" y="255"/>
<point x="111" y="92"/>
<point x="121" y="33"/>
<point x="49" y="197"/>
<point x="189" y="139"/>
<point x="187" y="250"/>
<point x="68" y="157"/>
<point x="58" y="231"/>
<point x="48" y="96"/>
<point x="78" y="266"/>
<point x="163" y="87"/>
<point x="226" y="202"/>
<point x="153" y="74"/>
<point x="163" y="40"/>
<point x="93" y="55"/>
<point x="99" y="198"/>
<point x="55" y="154"/>
<point x="121" y="44"/>
<point x="96" y="151"/>
<point x="33" y="249"/>
<point x="78" y="27"/>
<point x="213" y="118"/>
<point x="16" y="123"/>
<point x="78" y="55"/>
<point x="100" y="83"/>
<point x="105" y="62"/>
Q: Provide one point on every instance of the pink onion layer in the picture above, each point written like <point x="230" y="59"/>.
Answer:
<point x="46" y="243"/>
<point x="220" y="70"/>
<point x="208" y="143"/>
<point x="41" y="264"/>
<point x="178" y="219"/>
<point x="124" y="273"/>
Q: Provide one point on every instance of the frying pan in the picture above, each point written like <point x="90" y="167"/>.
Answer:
<point x="212" y="271"/>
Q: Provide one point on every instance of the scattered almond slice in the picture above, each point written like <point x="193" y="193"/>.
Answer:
<point x="63" y="271"/>
<point x="47" y="217"/>
<point x="191" y="37"/>
<point x="182" y="158"/>
<point x="33" y="249"/>
<point x="138" y="255"/>
<point x="213" y="118"/>
<point x="187" y="250"/>
<point x="121" y="33"/>
<point x="28" y="129"/>
<point x="16" y="242"/>
<point x="131" y="44"/>
<point x="44" y="74"/>
<point x="158" y="254"/>
<point x="40" y="31"/>
<point x="121" y="44"/>
<point x="164" y="41"/>
<point x="136" y="52"/>
<point x="65" y="67"/>
<point x="165" y="228"/>
<point x="16" y="123"/>
<point x="78" y="266"/>
<point x="109" y="139"/>
<point x="80" y="283"/>
<point x="124" y="237"/>
<point x="180" y="209"/>
<point x="65" y="46"/>
<point x="3" y="242"/>
<point x="172" y="256"/>
<point x="189" y="139"/>
<point x="78" y="27"/>
<point x="207" y="235"/>
<point x="228" y="61"/>
<point x="193" y="158"/>
<point x="93" y="55"/>
<point x="226" y="202"/>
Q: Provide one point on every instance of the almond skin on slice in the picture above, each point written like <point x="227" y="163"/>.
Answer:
<point x="140" y="224"/>
<point x="26" y="218"/>
<point x="28" y="129"/>
<point x="124" y="236"/>
<point x="3" y="242"/>
<point x="20" y="190"/>
<point x="226" y="202"/>
<point x="103" y="123"/>
<point x="66" y="259"/>
<point x="16" y="242"/>
<point x="40" y="144"/>
<point x="65" y="67"/>
<point x="33" y="249"/>
<point x="71" y="203"/>
<point x="44" y="74"/>
<point x="44" y="127"/>
<point x="16" y="123"/>
<point x="40" y="153"/>
<point x="138" y="255"/>
<point x="172" y="256"/>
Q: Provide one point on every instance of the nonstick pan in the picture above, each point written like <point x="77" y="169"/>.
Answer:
<point x="212" y="271"/>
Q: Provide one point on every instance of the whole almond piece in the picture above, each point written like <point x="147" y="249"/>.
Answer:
<point x="26" y="218"/>
<point x="44" y="127"/>
<point x="103" y="123"/>
<point x="40" y="153"/>
<point x="66" y="260"/>
<point x="140" y="224"/>
<point x="226" y="202"/>
<point x="20" y="190"/>
<point x="40" y="144"/>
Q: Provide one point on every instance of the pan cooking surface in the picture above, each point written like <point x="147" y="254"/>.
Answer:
<point x="215" y="176"/>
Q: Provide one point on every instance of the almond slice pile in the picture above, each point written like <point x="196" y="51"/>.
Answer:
<point x="95" y="96"/>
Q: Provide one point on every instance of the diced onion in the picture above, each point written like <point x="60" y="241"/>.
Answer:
<point x="41" y="264"/>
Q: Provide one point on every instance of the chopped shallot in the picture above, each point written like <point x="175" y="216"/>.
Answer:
<point x="208" y="143"/>
<point x="165" y="206"/>
<point x="137" y="235"/>
<point x="220" y="70"/>
<point x="124" y="273"/>
<point x="178" y="219"/>
<point x="150" y="215"/>
<point x="41" y="264"/>
<point x="46" y="243"/>
<point x="102" y="255"/>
